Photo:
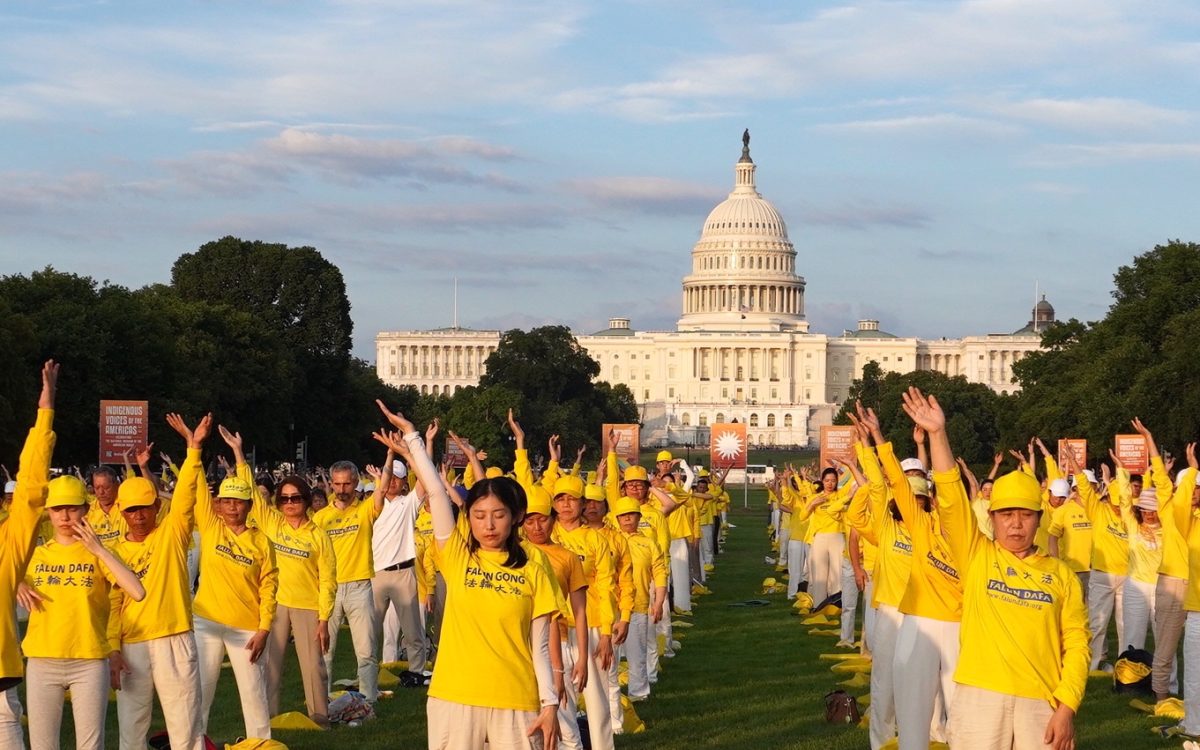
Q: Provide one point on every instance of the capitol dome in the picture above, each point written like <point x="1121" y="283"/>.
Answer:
<point x="743" y="268"/>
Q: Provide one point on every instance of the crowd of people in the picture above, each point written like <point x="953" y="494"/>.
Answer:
<point x="514" y="593"/>
<point x="987" y="603"/>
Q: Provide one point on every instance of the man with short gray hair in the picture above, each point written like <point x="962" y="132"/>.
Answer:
<point x="349" y="521"/>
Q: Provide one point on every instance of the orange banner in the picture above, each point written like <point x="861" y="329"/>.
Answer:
<point x="1077" y="446"/>
<point x="1133" y="453"/>
<point x="627" y="444"/>
<point x="728" y="448"/>
<point x="123" y="425"/>
<point x="837" y="441"/>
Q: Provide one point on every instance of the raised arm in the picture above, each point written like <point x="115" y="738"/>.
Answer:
<point x="183" y="501"/>
<point x="33" y="469"/>
<point x="407" y="443"/>
<point x="521" y="468"/>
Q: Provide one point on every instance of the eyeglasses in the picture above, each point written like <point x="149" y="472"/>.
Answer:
<point x="291" y="499"/>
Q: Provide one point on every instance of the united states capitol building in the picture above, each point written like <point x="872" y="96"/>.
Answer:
<point x="741" y="350"/>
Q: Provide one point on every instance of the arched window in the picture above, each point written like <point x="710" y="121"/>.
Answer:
<point x="436" y="390"/>
<point x="720" y="418"/>
<point x="770" y="420"/>
<point x="754" y="420"/>
<point x="787" y="420"/>
<point x="686" y="419"/>
<point x="425" y="390"/>
<point x="704" y="420"/>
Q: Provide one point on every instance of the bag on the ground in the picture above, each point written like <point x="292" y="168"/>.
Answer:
<point x="841" y="708"/>
<point x="350" y="706"/>
<point x="1132" y="672"/>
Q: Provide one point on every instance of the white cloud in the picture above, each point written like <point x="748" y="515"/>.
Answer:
<point x="939" y="124"/>
<point x="1098" y="114"/>
<point x="652" y="195"/>
<point x="1075" y="155"/>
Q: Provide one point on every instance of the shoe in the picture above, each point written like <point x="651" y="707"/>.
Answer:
<point x="667" y="655"/>
<point x="637" y="698"/>
<point x="844" y="644"/>
<point x="1106" y="667"/>
<point x="681" y="612"/>
<point x="730" y="526"/>
<point x="676" y="645"/>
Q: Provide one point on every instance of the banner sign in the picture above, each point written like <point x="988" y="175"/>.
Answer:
<point x="1133" y="452"/>
<point x="837" y="441"/>
<point x="124" y="425"/>
<point x="728" y="448"/>
<point x="1077" y="446"/>
<point x="627" y="445"/>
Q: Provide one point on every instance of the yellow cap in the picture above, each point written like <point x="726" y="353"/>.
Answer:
<point x="569" y="485"/>
<point x="493" y="472"/>
<point x="135" y="492"/>
<point x="636" y="474"/>
<point x="1016" y="489"/>
<point x="627" y="505"/>
<point x="919" y="485"/>
<point x="664" y="456"/>
<point x="702" y="474"/>
<point x="65" y="490"/>
<point x="235" y="489"/>
<point x="594" y="492"/>
<point x="537" y="500"/>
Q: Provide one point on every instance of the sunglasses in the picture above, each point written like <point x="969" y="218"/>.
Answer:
<point x="290" y="499"/>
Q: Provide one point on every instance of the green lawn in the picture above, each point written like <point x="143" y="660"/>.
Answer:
<point x="746" y="677"/>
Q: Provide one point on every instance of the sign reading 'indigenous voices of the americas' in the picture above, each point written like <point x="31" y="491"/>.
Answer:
<point x="626" y="442"/>
<point x="123" y="425"/>
<point x="1132" y="452"/>
<point x="1078" y="447"/>
<point x="837" y="441"/>
<point x="454" y="454"/>
<point x="728" y="449"/>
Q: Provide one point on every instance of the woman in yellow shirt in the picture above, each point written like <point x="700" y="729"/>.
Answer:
<point x="307" y="584"/>
<point x="66" y="590"/>
<point x="493" y="681"/>
<point x="235" y="603"/>
<point x="1023" y="662"/>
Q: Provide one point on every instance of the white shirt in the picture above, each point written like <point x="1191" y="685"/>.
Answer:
<point x="392" y="540"/>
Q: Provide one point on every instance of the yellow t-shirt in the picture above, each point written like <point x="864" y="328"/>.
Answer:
<point x="17" y="533"/>
<point x="484" y="658"/>
<point x="597" y="560"/>
<point x="350" y="532"/>
<point x="568" y="571"/>
<point x="160" y="561"/>
<point x="934" y="585"/>
<point x="1070" y="523"/>
<point x="73" y="620"/>
<point x="649" y="569"/>
<point x="1024" y="625"/>
<point x="110" y="526"/>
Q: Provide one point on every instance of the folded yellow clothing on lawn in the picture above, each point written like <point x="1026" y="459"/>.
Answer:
<point x="388" y="678"/>
<point x="864" y="700"/>
<point x="630" y="722"/>
<point x="682" y="624"/>
<point x="255" y="743"/>
<point x="894" y="743"/>
<point x="1100" y="673"/>
<point x="803" y="599"/>
<point x="293" y="720"/>
<point x="816" y="620"/>
<point x="401" y="666"/>
<point x="1168" y="708"/>
<point x="830" y="610"/>
<point x="839" y="657"/>
<point x="857" y="681"/>
<point x="850" y="667"/>
<point x="824" y="631"/>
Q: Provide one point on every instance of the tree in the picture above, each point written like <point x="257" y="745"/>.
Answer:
<point x="1140" y="360"/>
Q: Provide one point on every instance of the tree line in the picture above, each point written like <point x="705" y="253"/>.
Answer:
<point x="260" y="334"/>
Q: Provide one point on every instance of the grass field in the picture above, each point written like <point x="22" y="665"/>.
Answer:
<point x="745" y="678"/>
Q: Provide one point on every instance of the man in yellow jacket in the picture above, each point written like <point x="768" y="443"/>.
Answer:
<point x="17" y="535"/>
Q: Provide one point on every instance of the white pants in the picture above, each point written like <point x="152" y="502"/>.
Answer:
<point x="681" y="576"/>
<point x="784" y="535"/>
<point x="882" y="726"/>
<point x="923" y="668"/>
<point x="356" y="604"/>
<point x="636" y="650"/>
<point x="46" y="682"/>
<point x="457" y="726"/>
<point x="1104" y="596"/>
<point x="825" y="566"/>
<point x="1139" y="614"/>
<point x="595" y="694"/>
<point x="986" y="720"/>
<point x="663" y="628"/>
<point x="169" y="666"/>
<point x="796" y="560"/>
<point x="706" y="544"/>
<point x="1191" y="674"/>
<point x="849" y="600"/>
<point x="869" y="615"/>
<point x="399" y="611"/>
<point x="11" y="734"/>
<point x="213" y="642"/>
<point x="616" y="714"/>
<point x="568" y="727"/>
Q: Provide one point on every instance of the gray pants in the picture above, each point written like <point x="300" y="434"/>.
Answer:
<point x="398" y="589"/>
<point x="46" y="682"/>
<point x="302" y="624"/>
<point x="356" y="605"/>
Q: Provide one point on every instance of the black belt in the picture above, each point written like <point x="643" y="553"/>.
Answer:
<point x="400" y="566"/>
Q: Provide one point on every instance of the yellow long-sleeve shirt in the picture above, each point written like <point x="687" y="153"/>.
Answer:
<point x="795" y="496"/>
<point x="1175" y="555"/>
<point x="1145" y="542"/>
<point x="160" y="560"/>
<point x="1071" y="524"/>
<point x="17" y="536"/>
<point x="110" y="526"/>
<point x="649" y="570"/>
<point x="307" y="569"/>
<point x="870" y="515"/>
<point x="825" y="518"/>
<point x="1024" y="624"/>
<point x="597" y="559"/>
<point x="240" y="576"/>
<point x="622" y="571"/>
<point x="1110" y="538"/>
<point x="934" y="583"/>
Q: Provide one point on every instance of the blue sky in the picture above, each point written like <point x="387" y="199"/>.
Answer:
<point x="933" y="160"/>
